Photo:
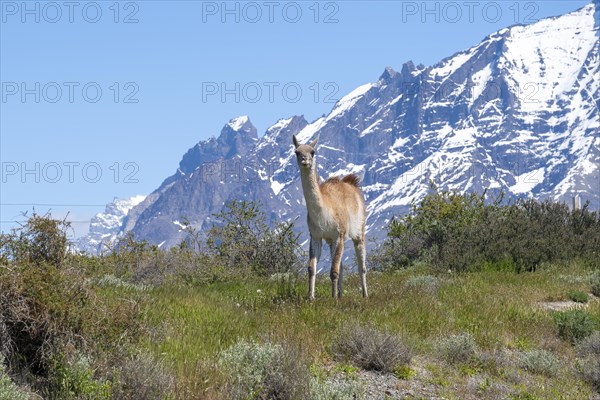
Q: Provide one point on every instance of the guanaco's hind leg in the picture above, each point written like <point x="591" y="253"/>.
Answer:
<point x="359" y="248"/>
<point x="340" y="279"/>
<point x="337" y="248"/>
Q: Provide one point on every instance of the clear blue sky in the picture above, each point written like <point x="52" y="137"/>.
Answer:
<point x="172" y="73"/>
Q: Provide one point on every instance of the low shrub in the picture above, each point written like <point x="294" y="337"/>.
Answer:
<point x="110" y="280"/>
<point x="457" y="349"/>
<point x="41" y="240"/>
<point x="539" y="362"/>
<point x="588" y="369"/>
<point x="457" y="231"/>
<point x="52" y="317"/>
<point x="493" y="361"/>
<point x="74" y="379"/>
<point x="8" y="389"/>
<point x="41" y="308"/>
<point x="371" y="349"/>
<point x="273" y="371"/>
<point x="590" y="346"/>
<point x="425" y="283"/>
<point x="393" y="255"/>
<point x="575" y="325"/>
<point x="578" y="296"/>
<point x="265" y="370"/>
<point x="595" y="282"/>
<point x="336" y="390"/>
<point x="588" y="362"/>
<point x="404" y="372"/>
<point x="241" y="238"/>
<point x="143" y="377"/>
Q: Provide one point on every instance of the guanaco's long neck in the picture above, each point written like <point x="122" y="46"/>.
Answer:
<point x="310" y="186"/>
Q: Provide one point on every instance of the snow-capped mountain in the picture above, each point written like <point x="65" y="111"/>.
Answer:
<point x="518" y="112"/>
<point x="105" y="227"/>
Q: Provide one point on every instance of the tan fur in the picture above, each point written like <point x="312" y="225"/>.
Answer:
<point x="336" y="212"/>
<point x="352" y="179"/>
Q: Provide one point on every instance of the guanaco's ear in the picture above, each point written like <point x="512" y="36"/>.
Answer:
<point x="295" y="140"/>
<point x="313" y="144"/>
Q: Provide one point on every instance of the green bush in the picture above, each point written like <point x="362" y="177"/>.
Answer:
<point x="469" y="232"/>
<point x="42" y="240"/>
<point x="242" y="239"/>
<point x="8" y="389"/>
<point x="41" y="308"/>
<point x="74" y="379"/>
<point x="239" y="244"/>
<point x="47" y="312"/>
<point x="404" y="372"/>
<point x="578" y="296"/>
<point x="427" y="231"/>
<point x="575" y="325"/>
<point x="51" y="314"/>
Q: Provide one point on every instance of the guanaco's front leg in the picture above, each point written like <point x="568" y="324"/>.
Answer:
<point x="314" y="256"/>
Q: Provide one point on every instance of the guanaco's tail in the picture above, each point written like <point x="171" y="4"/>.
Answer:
<point x="352" y="179"/>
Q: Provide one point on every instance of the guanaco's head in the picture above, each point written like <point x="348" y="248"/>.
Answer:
<point x="305" y="153"/>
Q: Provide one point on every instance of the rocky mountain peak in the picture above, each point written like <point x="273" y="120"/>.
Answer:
<point x="388" y="74"/>
<point x="517" y="112"/>
<point x="241" y="125"/>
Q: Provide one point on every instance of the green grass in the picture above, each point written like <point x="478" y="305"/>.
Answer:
<point x="144" y="323"/>
<point x="578" y="296"/>
<point x="498" y="309"/>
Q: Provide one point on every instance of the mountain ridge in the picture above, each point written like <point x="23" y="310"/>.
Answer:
<point x="517" y="112"/>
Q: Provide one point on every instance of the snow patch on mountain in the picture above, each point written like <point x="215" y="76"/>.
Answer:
<point x="346" y="102"/>
<point x="105" y="227"/>
<point x="276" y="187"/>
<point x="238" y="123"/>
<point x="371" y="128"/>
<point x="479" y="81"/>
<point x="544" y="59"/>
<point x="526" y="182"/>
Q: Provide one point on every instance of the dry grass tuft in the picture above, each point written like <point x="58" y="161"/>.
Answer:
<point x="371" y="349"/>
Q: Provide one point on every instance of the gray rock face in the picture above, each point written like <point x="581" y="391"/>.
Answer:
<point x="518" y="112"/>
<point x="236" y="165"/>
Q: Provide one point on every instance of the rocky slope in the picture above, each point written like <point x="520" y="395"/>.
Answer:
<point x="518" y="112"/>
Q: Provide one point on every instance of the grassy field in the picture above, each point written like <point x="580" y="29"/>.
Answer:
<point x="215" y="318"/>
<point x="501" y="311"/>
